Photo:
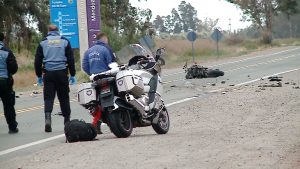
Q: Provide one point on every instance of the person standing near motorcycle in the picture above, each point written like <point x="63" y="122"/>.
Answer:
<point x="97" y="59"/>
<point x="54" y="56"/>
<point x="8" y="67"/>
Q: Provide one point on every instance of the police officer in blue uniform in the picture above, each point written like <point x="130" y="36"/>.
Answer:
<point x="8" y="67"/>
<point x="98" y="59"/>
<point x="54" y="57"/>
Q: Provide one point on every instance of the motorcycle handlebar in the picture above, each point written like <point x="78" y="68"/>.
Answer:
<point x="144" y="61"/>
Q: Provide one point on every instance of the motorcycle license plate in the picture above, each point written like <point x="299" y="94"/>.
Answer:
<point x="105" y="90"/>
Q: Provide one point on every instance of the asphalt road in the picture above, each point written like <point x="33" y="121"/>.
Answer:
<point x="237" y="70"/>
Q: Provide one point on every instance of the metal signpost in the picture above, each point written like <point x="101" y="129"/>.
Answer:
<point x="63" y="13"/>
<point x="217" y="36"/>
<point x="192" y="36"/>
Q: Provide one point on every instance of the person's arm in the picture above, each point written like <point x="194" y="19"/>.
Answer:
<point x="111" y="53"/>
<point x="70" y="58"/>
<point x="109" y="57"/>
<point x="86" y="64"/>
<point x="11" y="62"/>
<point x="38" y="61"/>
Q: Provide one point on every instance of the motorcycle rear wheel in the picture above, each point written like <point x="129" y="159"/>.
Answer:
<point x="163" y="124"/>
<point x="120" y="123"/>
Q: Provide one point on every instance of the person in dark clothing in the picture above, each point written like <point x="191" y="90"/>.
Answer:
<point x="97" y="59"/>
<point x="8" y="67"/>
<point x="54" y="57"/>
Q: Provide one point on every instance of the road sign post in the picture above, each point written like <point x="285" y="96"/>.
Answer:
<point x="83" y="28"/>
<point x="192" y="36"/>
<point x="217" y="36"/>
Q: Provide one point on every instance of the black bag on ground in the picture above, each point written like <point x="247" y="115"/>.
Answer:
<point x="79" y="130"/>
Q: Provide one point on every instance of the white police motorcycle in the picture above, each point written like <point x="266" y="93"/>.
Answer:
<point x="129" y="95"/>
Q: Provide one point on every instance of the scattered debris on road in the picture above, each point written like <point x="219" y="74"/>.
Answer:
<point x="275" y="78"/>
<point x="279" y="84"/>
<point x="35" y="93"/>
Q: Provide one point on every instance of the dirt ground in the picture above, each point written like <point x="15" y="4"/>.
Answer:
<point x="245" y="127"/>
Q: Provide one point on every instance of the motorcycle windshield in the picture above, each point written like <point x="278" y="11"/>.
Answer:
<point x="132" y="50"/>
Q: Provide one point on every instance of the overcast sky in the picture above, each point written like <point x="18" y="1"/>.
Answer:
<point x="206" y="8"/>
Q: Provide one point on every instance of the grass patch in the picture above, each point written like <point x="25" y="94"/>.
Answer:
<point x="287" y="42"/>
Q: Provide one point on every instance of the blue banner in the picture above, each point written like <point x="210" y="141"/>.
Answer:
<point x="63" y="14"/>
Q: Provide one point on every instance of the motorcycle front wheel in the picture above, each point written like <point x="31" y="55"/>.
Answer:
<point x="163" y="123"/>
<point x="120" y="123"/>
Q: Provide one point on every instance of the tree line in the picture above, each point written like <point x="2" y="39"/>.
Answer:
<point x="16" y="17"/>
<point x="183" y="19"/>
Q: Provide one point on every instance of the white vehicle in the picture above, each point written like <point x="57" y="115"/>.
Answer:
<point x="129" y="95"/>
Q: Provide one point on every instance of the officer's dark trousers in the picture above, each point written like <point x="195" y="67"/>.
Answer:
<point x="7" y="96"/>
<point x="57" y="82"/>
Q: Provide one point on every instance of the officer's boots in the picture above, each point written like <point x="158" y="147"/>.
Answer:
<point x="98" y="127"/>
<point x="48" y="122"/>
<point x="66" y="119"/>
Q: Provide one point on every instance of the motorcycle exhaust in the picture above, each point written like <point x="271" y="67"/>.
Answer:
<point x="138" y="105"/>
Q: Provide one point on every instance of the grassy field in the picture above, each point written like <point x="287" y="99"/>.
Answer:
<point x="178" y="51"/>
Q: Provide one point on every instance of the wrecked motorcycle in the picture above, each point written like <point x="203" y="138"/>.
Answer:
<point x="197" y="71"/>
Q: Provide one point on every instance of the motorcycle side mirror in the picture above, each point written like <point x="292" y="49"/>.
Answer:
<point x="160" y="51"/>
<point x="157" y="57"/>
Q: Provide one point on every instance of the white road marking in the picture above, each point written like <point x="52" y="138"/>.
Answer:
<point x="4" y="152"/>
<point x="172" y="74"/>
<point x="242" y="60"/>
<point x="34" y="108"/>
<point x="259" y="56"/>
<point x="261" y="63"/>
<point x="265" y="77"/>
<point x="30" y="144"/>
<point x="173" y="81"/>
<point x="181" y="101"/>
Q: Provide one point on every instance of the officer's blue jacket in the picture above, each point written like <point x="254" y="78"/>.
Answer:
<point x="97" y="58"/>
<point x="54" y="53"/>
<point x="8" y="63"/>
